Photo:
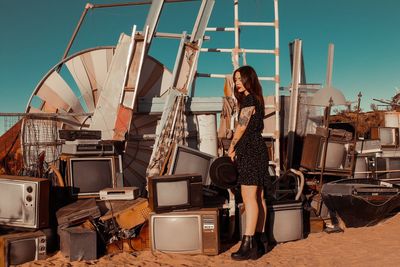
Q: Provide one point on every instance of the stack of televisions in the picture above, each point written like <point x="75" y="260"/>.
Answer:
<point x="378" y="156"/>
<point x="104" y="215"/>
<point x="180" y="223"/>
<point x="84" y="211"/>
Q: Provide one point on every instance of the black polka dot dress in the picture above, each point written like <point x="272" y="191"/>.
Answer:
<point x="251" y="150"/>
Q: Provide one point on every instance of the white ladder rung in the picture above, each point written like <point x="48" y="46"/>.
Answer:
<point x="230" y="50"/>
<point x="223" y="76"/>
<point x="263" y="24"/>
<point x="220" y="29"/>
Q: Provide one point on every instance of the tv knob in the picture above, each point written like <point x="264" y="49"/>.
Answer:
<point x="29" y="189"/>
<point x="29" y="198"/>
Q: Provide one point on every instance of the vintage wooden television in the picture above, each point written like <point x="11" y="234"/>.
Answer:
<point x="18" y="248"/>
<point x="24" y="201"/>
<point x="337" y="158"/>
<point x="88" y="175"/>
<point x="390" y="164"/>
<point x="188" y="160"/>
<point x="389" y="136"/>
<point x="186" y="232"/>
<point x="173" y="192"/>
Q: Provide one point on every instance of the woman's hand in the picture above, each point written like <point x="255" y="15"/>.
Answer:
<point x="232" y="154"/>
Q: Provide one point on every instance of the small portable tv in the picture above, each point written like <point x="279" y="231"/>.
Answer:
<point x="18" y="248"/>
<point x="24" y="201"/>
<point x="389" y="136"/>
<point x="388" y="168"/>
<point x="88" y="175"/>
<point x="189" y="160"/>
<point x="186" y="232"/>
<point x="313" y="152"/>
<point x="174" y="192"/>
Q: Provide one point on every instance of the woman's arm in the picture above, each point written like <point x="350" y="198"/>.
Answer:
<point x="244" y="118"/>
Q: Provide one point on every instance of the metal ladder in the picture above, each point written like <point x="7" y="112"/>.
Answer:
<point x="237" y="50"/>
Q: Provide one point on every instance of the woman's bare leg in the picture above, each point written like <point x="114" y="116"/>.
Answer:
<point x="262" y="210"/>
<point x="249" y="195"/>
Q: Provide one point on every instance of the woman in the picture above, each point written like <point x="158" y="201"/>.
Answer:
<point x="249" y="152"/>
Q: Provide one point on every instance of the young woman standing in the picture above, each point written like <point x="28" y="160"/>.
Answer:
<point x="249" y="151"/>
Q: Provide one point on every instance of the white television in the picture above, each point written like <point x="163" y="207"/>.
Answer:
<point x="24" y="201"/>
<point x="186" y="232"/>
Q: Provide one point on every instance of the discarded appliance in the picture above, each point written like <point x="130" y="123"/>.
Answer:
<point x="285" y="221"/>
<point x="24" y="201"/>
<point x="389" y="136"/>
<point x="336" y="157"/>
<point x="21" y="247"/>
<point x="122" y="193"/>
<point x="186" y="232"/>
<point x="78" y="243"/>
<point x="72" y="135"/>
<point x="77" y="212"/>
<point x="174" y="192"/>
<point x="88" y="147"/>
<point x="188" y="160"/>
<point x="86" y="176"/>
<point x="361" y="202"/>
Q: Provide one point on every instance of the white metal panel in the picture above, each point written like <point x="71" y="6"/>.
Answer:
<point x="155" y="79"/>
<point x="51" y="98"/>
<point x="106" y="110"/>
<point x="78" y="71"/>
<point x="56" y="84"/>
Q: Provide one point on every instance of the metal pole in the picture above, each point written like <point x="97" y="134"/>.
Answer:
<point x="329" y="66"/>
<point x="87" y="7"/>
<point x="294" y="100"/>
<point x="325" y="145"/>
<point x="277" y="92"/>
<point x="237" y="34"/>
<point x="355" y="137"/>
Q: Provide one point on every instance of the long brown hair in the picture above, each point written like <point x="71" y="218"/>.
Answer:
<point x="250" y="81"/>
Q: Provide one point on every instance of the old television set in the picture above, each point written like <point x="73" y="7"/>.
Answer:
<point x="24" y="201"/>
<point x="389" y="136"/>
<point x="337" y="156"/>
<point x="18" y="248"/>
<point x="88" y="175"/>
<point x="388" y="167"/>
<point x="186" y="232"/>
<point x="173" y="192"/>
<point x="188" y="160"/>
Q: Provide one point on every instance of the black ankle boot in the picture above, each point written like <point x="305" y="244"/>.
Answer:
<point x="261" y="244"/>
<point x="248" y="249"/>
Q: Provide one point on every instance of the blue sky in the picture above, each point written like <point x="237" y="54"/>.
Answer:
<point x="34" y="35"/>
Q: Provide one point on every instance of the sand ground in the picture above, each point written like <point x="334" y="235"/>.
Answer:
<point x="377" y="245"/>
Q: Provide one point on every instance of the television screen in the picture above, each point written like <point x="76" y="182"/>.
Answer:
<point x="394" y="166"/>
<point x="20" y="247"/>
<point x="24" y="201"/>
<point x="335" y="157"/>
<point x="11" y="210"/>
<point x="388" y="136"/>
<point x="22" y="251"/>
<point x="178" y="233"/>
<point x="87" y="176"/>
<point x="173" y="193"/>
<point x="189" y="160"/>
